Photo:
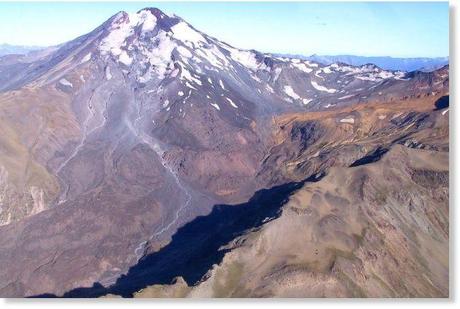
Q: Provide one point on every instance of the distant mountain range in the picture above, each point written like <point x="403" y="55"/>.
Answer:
<point x="388" y="63"/>
<point x="7" y="49"/>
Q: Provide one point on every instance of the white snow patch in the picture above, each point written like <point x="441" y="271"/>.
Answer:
<point x="173" y="72"/>
<point x="277" y="74"/>
<point x="216" y="106"/>
<point x="189" y="85"/>
<point x="246" y="58"/>
<point x="444" y="112"/>
<point x="232" y="103"/>
<point x="86" y="58"/>
<point x="290" y="92"/>
<point x="254" y="77"/>
<point x="316" y="154"/>
<point x="317" y="74"/>
<point x="306" y="101"/>
<point x="322" y="88"/>
<point x="302" y="67"/>
<point x="125" y="58"/>
<point x="210" y="80"/>
<point x="108" y="74"/>
<point x="149" y="21"/>
<point x="180" y="93"/>
<point x="160" y="56"/>
<point x="346" y="97"/>
<point x="218" y="54"/>
<point x="221" y="83"/>
<point x="184" y="52"/>
<point x="381" y="117"/>
<point x="348" y="120"/>
<point x="183" y="32"/>
<point x="119" y="32"/>
<point x="188" y="76"/>
<point x="65" y="82"/>
<point x="213" y="56"/>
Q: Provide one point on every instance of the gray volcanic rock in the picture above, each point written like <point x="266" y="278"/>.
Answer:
<point x="114" y="140"/>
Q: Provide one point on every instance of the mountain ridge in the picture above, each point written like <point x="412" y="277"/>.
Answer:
<point x="425" y="64"/>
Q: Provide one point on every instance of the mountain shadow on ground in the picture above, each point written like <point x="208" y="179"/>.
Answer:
<point x="371" y="157"/>
<point x="441" y="103"/>
<point x="197" y="245"/>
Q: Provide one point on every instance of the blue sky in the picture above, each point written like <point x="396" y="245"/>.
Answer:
<point x="370" y="29"/>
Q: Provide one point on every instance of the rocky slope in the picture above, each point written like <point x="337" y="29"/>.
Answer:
<point x="115" y="140"/>
<point x="378" y="230"/>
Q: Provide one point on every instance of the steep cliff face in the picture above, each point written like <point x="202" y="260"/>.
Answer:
<point x="113" y="141"/>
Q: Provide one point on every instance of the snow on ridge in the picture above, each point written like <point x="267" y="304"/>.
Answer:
<point x="122" y="27"/>
<point x="149" y="21"/>
<point x="322" y="88"/>
<point x="245" y="57"/>
<point x="368" y="72"/>
<point x="214" y="57"/>
<point x="183" y="32"/>
<point x="302" y="67"/>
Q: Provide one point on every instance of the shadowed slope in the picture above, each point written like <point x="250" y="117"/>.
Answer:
<point x="197" y="245"/>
